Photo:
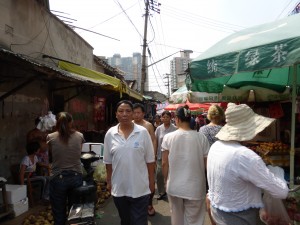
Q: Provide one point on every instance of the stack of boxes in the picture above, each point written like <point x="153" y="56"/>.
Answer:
<point x="17" y="198"/>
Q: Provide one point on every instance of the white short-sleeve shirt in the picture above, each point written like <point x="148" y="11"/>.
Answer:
<point x="187" y="150"/>
<point x="160" y="132"/>
<point x="30" y="166"/>
<point x="129" y="158"/>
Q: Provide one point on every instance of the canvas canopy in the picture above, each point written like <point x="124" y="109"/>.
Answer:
<point x="183" y="95"/>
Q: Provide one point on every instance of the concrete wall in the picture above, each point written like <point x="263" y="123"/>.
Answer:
<point x="18" y="112"/>
<point x="28" y="28"/>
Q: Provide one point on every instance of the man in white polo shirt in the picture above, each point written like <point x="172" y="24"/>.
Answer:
<point x="129" y="159"/>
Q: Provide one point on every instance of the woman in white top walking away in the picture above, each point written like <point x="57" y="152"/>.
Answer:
<point x="236" y="175"/>
<point x="184" y="154"/>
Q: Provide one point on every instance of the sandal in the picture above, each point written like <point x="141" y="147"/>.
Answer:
<point x="162" y="196"/>
<point x="151" y="210"/>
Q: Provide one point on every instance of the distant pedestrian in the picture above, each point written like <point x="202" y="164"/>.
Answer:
<point x="200" y="121"/>
<point x="193" y="123"/>
<point x="236" y="174"/>
<point x="129" y="159"/>
<point x="183" y="161"/>
<point x="157" y="121"/>
<point x="165" y="128"/>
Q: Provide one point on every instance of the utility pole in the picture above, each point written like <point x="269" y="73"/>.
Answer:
<point x="143" y="78"/>
<point x="150" y="4"/>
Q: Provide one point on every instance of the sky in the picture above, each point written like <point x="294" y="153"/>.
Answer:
<point x="181" y="25"/>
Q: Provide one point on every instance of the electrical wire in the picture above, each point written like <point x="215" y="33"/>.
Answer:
<point x="30" y="40"/>
<point x="112" y="17"/>
<point x="158" y="49"/>
<point x="33" y="40"/>
<point x="162" y="32"/>
<point x="201" y="24"/>
<point x="195" y="20"/>
<point x="192" y="16"/>
<point x="284" y="8"/>
<point x="155" y="73"/>
<point x="118" y="3"/>
<point x="48" y="35"/>
<point x="153" y="32"/>
<point x="156" y="80"/>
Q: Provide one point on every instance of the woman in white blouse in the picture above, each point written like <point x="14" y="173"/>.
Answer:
<point x="184" y="154"/>
<point x="236" y="174"/>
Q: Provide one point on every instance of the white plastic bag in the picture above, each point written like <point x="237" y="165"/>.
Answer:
<point x="47" y="122"/>
<point x="100" y="173"/>
<point x="274" y="211"/>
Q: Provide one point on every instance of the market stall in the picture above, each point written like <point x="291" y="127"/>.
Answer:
<point x="262" y="61"/>
<point x="257" y="64"/>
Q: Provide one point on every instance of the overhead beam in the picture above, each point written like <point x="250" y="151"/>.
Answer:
<point x="28" y="81"/>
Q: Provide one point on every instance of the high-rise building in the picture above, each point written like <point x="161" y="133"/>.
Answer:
<point x="132" y="66"/>
<point x="177" y="67"/>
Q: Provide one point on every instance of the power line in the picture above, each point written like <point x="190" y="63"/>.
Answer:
<point x="284" y="8"/>
<point x="93" y="32"/>
<point x="213" y="22"/>
<point x="118" y="3"/>
<point x="203" y="18"/>
<point x="159" y="51"/>
<point x="113" y="16"/>
<point x="201" y="23"/>
<point x="59" y="12"/>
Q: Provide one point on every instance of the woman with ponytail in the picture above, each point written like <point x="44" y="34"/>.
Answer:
<point x="66" y="173"/>
<point x="184" y="153"/>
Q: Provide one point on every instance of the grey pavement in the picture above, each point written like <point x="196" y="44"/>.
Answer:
<point x="108" y="214"/>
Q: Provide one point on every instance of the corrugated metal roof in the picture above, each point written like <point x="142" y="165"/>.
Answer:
<point x="54" y="71"/>
<point x="49" y="69"/>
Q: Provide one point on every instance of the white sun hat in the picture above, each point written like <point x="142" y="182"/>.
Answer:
<point x="242" y="124"/>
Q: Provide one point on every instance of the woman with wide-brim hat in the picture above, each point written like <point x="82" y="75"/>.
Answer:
<point x="236" y="174"/>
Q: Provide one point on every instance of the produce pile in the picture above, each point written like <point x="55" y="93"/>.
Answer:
<point x="269" y="147"/>
<point x="43" y="218"/>
<point x="275" y="147"/>
<point x="102" y="194"/>
<point x="46" y="218"/>
<point x="100" y="178"/>
<point x="273" y="153"/>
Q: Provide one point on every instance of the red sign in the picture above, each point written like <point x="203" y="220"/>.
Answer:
<point x="275" y="110"/>
<point x="78" y="109"/>
<point x="99" y="109"/>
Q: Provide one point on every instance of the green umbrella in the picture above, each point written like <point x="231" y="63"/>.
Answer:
<point x="264" y="59"/>
<point x="261" y="56"/>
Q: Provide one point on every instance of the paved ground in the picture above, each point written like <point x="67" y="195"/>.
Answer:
<point x="109" y="215"/>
